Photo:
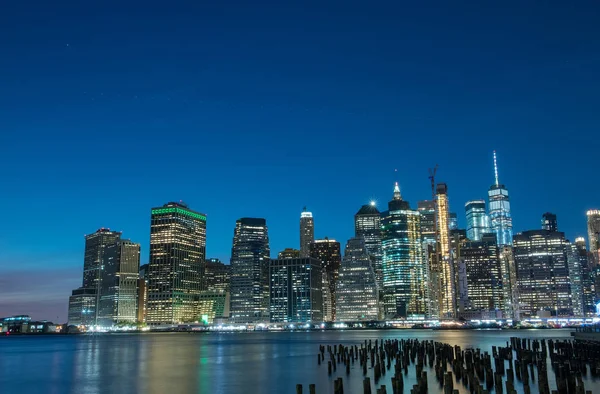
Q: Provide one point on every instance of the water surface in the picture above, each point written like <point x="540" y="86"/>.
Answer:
<point x="219" y="363"/>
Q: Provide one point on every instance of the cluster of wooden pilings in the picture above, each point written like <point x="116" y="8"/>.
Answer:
<point x="521" y="360"/>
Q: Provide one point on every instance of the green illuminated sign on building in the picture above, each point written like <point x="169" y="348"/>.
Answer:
<point x="161" y="211"/>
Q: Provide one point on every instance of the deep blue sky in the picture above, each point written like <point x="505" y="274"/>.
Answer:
<point x="258" y="109"/>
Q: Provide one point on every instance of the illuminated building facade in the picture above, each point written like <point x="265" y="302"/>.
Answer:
<point x="403" y="263"/>
<point x="593" y="227"/>
<point x="212" y="305"/>
<point x="575" y="278"/>
<point x="587" y="279"/>
<point x="549" y="222"/>
<point x="289" y="253"/>
<point x="500" y="216"/>
<point x="431" y="270"/>
<point x="177" y="253"/>
<point x="295" y="290"/>
<point x="217" y="275"/>
<point x="477" y="220"/>
<point x="357" y="292"/>
<point x="509" y="283"/>
<point x="484" y="274"/>
<point x="307" y="232"/>
<point x="142" y="300"/>
<point x="119" y="284"/>
<point x="250" y="256"/>
<point x="453" y="221"/>
<point x="446" y="265"/>
<point x="367" y="224"/>
<point x="328" y="252"/>
<point x="82" y="307"/>
<point x="542" y="273"/>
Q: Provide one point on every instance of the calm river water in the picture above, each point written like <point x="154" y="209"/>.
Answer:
<point x="172" y="363"/>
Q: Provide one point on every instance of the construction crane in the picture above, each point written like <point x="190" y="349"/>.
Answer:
<point x="432" y="173"/>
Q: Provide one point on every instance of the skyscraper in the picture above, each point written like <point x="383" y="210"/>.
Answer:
<point x="357" y="292"/>
<point x="119" y="284"/>
<point x="446" y="273"/>
<point x="509" y="283"/>
<point x="367" y="224"/>
<point x="217" y="275"/>
<point x="477" y="220"/>
<point x="542" y="273"/>
<point x="593" y="225"/>
<point x="403" y="263"/>
<point x="295" y="290"/>
<point x="327" y="251"/>
<point x="81" y="310"/>
<point x="484" y="275"/>
<point x="142" y="299"/>
<point x="549" y="222"/>
<point x="426" y="210"/>
<point x="250" y="256"/>
<point x="587" y="278"/>
<point x="575" y="279"/>
<point x="177" y="253"/>
<point x="500" y="217"/>
<point x="307" y="232"/>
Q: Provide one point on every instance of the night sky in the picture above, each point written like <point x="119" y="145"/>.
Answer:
<point x="257" y="109"/>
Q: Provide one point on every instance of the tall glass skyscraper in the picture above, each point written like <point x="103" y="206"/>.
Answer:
<point x="307" y="232"/>
<point x="541" y="261"/>
<point x="477" y="220"/>
<point x="175" y="272"/>
<point x="250" y="257"/>
<point x="119" y="288"/>
<point x="328" y="252"/>
<point x="367" y="224"/>
<point x="500" y="217"/>
<point x="593" y="225"/>
<point x="357" y="292"/>
<point x="296" y="290"/>
<point x="446" y="272"/>
<point x="403" y="263"/>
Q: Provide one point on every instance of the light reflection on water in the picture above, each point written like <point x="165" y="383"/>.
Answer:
<point x="217" y="363"/>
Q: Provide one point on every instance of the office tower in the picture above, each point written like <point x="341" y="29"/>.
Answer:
<point x="477" y="220"/>
<point x="426" y="210"/>
<point x="250" y="256"/>
<point x="288" y="253"/>
<point x="177" y="253"/>
<point x="367" y="224"/>
<point x="82" y="307"/>
<point x="484" y="276"/>
<point x="587" y="279"/>
<point x="307" y="232"/>
<point x="445" y="266"/>
<point x="295" y="290"/>
<point x="119" y="284"/>
<point x="500" y="217"/>
<point x="458" y="238"/>
<point x="403" y="263"/>
<point x="80" y="310"/>
<point x="593" y="225"/>
<point x="217" y="275"/>
<point x="357" y="292"/>
<point x="575" y="279"/>
<point x="327" y="251"/>
<point x="142" y="303"/>
<point x="509" y="283"/>
<point x="542" y="273"/>
<point x="95" y="245"/>
<point x="452" y="221"/>
<point x="549" y="222"/>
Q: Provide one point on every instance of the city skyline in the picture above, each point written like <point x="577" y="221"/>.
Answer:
<point x="259" y="111"/>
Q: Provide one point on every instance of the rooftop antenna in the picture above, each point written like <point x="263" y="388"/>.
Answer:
<point x="496" y="169"/>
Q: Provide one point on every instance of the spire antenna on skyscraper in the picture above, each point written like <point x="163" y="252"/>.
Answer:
<point x="496" y="169"/>
<point x="397" y="194"/>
